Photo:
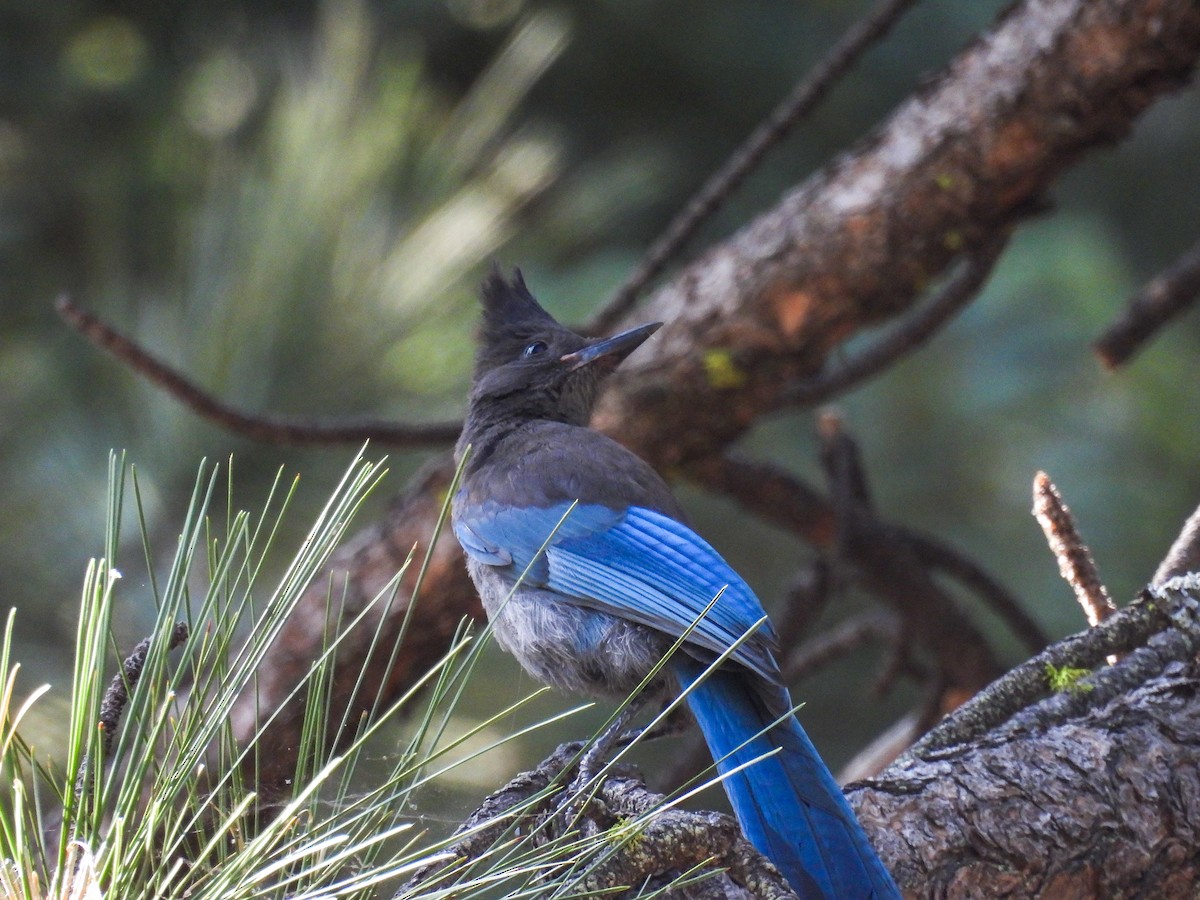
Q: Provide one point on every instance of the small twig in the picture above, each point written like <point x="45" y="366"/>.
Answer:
<point x="1075" y="562"/>
<point x="807" y="596"/>
<point x="784" y="499"/>
<point x="887" y="565"/>
<point x="899" y="661"/>
<point x="771" y="493"/>
<point x="265" y="428"/>
<point x="1184" y="555"/>
<point x="838" y="641"/>
<point x="845" y="474"/>
<point x="883" y="749"/>
<point x="804" y="97"/>
<point x="945" y="559"/>
<point x="956" y="293"/>
<point x="1162" y="299"/>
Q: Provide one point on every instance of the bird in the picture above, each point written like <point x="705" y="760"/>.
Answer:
<point x="590" y="576"/>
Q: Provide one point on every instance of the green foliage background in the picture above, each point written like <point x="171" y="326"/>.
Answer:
<point x="292" y="203"/>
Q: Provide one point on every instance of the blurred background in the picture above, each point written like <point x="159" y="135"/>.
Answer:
<point x="292" y="202"/>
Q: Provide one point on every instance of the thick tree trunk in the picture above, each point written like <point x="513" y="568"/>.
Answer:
<point x="1107" y="805"/>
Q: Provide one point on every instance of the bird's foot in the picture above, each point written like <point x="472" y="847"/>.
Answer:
<point x="580" y="792"/>
<point x="673" y="724"/>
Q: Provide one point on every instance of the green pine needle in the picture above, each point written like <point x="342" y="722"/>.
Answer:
<point x="165" y="806"/>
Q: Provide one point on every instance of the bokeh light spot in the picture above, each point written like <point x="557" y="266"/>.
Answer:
<point x="109" y="53"/>
<point x="219" y="96"/>
<point x="484" y="13"/>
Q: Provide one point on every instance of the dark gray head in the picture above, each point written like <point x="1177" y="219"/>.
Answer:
<point x="530" y="367"/>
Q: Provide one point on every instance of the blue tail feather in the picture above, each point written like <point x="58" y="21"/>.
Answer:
<point x="788" y="804"/>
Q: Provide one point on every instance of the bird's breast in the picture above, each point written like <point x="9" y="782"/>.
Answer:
<point x="565" y="644"/>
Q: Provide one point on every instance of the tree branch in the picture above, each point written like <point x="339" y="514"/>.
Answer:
<point x="805" y="96"/>
<point x="266" y="428"/>
<point x="1161" y="300"/>
<point x="959" y="290"/>
<point x="890" y="570"/>
<point x="1184" y="555"/>
<point x="963" y="160"/>
<point x="1123" y="631"/>
<point x="673" y="843"/>
<point x="1075" y="562"/>
<point x="1097" y="806"/>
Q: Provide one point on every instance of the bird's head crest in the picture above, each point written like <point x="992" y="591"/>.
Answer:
<point x="531" y="367"/>
<point x="509" y="306"/>
<point x="511" y="317"/>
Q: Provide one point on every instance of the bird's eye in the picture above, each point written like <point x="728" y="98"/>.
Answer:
<point x="537" y="348"/>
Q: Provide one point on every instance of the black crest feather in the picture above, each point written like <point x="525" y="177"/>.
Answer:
<point x="509" y="304"/>
<point x="511" y="317"/>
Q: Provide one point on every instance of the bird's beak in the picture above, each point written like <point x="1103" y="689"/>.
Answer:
<point x="610" y="351"/>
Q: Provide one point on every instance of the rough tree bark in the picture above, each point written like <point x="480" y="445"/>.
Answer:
<point x="1105" y="805"/>
<point x="963" y="161"/>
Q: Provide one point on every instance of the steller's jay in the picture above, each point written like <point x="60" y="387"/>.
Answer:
<point x="622" y="578"/>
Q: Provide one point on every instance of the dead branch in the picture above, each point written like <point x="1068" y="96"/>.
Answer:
<point x="266" y="428"/>
<point x="966" y="158"/>
<point x="959" y="290"/>
<point x="1160" y="301"/>
<point x="1075" y="562"/>
<point x="804" y="98"/>
<point x="891" y="571"/>
<point x="1184" y="555"/>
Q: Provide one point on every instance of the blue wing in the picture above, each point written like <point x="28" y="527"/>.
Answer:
<point x="634" y="563"/>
